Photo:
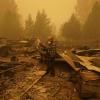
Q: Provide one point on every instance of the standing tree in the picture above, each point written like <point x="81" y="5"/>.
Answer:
<point x="4" y="6"/>
<point x="11" y="27"/>
<point x="72" y="30"/>
<point x="29" y="25"/>
<point x="91" y="29"/>
<point x="42" y="26"/>
<point x="83" y="9"/>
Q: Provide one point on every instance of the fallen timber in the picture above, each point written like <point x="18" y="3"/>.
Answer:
<point x="90" y="79"/>
<point x="88" y="64"/>
<point x="69" y="61"/>
<point x="12" y="66"/>
<point x="9" y="69"/>
<point x="34" y="82"/>
<point x="20" y="89"/>
<point x="80" y="59"/>
<point x="90" y="72"/>
<point x="87" y="58"/>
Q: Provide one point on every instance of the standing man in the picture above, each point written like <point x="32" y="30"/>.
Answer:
<point x="51" y="55"/>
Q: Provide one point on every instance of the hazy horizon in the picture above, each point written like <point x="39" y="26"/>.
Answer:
<point x="58" y="11"/>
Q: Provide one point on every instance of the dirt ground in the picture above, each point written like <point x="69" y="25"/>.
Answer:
<point x="29" y="82"/>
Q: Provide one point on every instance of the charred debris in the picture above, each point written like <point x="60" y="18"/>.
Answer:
<point x="24" y="77"/>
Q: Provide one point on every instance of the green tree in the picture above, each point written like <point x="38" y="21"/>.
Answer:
<point x="42" y="26"/>
<point x="11" y="27"/>
<point x="71" y="30"/>
<point x="29" y="26"/>
<point x="91" y="29"/>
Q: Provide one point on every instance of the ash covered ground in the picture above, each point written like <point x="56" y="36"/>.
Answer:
<point x="26" y="78"/>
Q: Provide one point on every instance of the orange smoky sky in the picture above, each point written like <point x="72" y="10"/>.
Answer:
<point x="58" y="11"/>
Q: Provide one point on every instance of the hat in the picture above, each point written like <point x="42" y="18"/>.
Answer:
<point x="50" y="38"/>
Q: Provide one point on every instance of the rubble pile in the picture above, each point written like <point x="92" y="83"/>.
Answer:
<point x="23" y="76"/>
<point x="52" y="88"/>
<point x="96" y="62"/>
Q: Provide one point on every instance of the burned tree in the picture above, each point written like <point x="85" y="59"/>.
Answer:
<point x="29" y="26"/>
<point x="42" y="26"/>
<point x="91" y="30"/>
<point x="72" y="30"/>
<point x="11" y="27"/>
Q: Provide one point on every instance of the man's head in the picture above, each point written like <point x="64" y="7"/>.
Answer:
<point x="50" y="39"/>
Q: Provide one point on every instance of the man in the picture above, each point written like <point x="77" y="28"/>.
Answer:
<point x="51" y="54"/>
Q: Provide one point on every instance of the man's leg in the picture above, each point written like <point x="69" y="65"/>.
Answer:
<point x="52" y="70"/>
